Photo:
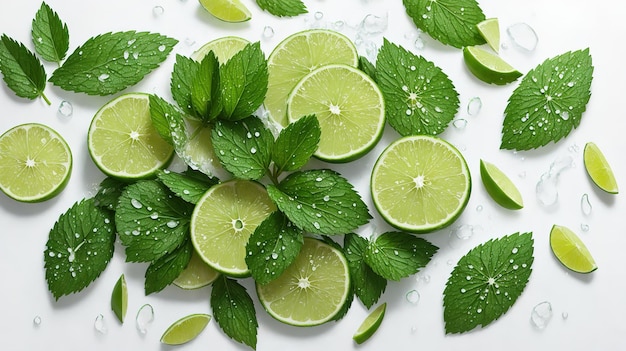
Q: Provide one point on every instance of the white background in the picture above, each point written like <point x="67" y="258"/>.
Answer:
<point x="594" y="304"/>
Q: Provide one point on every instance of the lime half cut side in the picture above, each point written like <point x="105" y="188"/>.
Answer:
<point x="570" y="250"/>
<point x="227" y="10"/>
<point x="35" y="163"/>
<point x="185" y="329"/>
<point x="598" y="169"/>
<point x="489" y="29"/>
<point x="500" y="187"/>
<point x="489" y="67"/>
<point x="420" y="184"/>
<point x="370" y="324"/>
<point x="224" y="48"/>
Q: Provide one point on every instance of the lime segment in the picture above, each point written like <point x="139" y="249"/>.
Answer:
<point x="370" y="324"/>
<point x="196" y="275"/>
<point x="223" y="48"/>
<point x="570" y="250"/>
<point x="599" y="169"/>
<point x="227" y="10"/>
<point x="185" y="329"/>
<point x="489" y="67"/>
<point x="500" y="187"/>
<point x="490" y="30"/>
<point x="119" y="299"/>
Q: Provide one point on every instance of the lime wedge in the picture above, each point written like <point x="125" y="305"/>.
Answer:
<point x="298" y="55"/>
<point x="224" y="219"/>
<point x="489" y="67"/>
<point x="599" y="169"/>
<point x="119" y="299"/>
<point x="122" y="141"/>
<point x="312" y="290"/>
<point x="185" y="329"/>
<point x="224" y="48"/>
<point x="500" y="187"/>
<point x="570" y="250"/>
<point x="196" y="275"/>
<point x="35" y="163"/>
<point x="227" y="10"/>
<point x="490" y="30"/>
<point x="346" y="102"/>
<point x="370" y="324"/>
<point x="420" y="184"/>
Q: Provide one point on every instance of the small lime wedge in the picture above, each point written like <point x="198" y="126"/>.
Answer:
<point x="227" y="10"/>
<point x="490" y="30"/>
<point x="500" y="187"/>
<point x="570" y="250"/>
<point x="196" y="275"/>
<point x="119" y="299"/>
<point x="599" y="169"/>
<point x="370" y="324"/>
<point x="185" y="329"/>
<point x="489" y="67"/>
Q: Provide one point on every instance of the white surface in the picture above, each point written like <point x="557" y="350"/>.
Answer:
<point x="594" y="303"/>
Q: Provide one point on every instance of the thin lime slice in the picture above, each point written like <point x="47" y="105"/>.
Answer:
<point x="490" y="30"/>
<point x="35" y="163"/>
<point x="224" y="48"/>
<point x="297" y="56"/>
<point x="223" y="221"/>
<point x="489" y="67"/>
<point x="197" y="274"/>
<point x="312" y="290"/>
<point x="346" y="102"/>
<point x="227" y="10"/>
<point x="570" y="250"/>
<point x="119" y="299"/>
<point x="370" y="324"/>
<point x="420" y="184"/>
<point x="500" y="187"/>
<point x="599" y="169"/>
<point x="185" y="329"/>
<point x="123" y="142"/>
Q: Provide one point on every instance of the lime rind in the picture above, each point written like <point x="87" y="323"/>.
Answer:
<point x="227" y="10"/>
<point x="370" y="325"/>
<point x="185" y="329"/>
<point x="500" y="187"/>
<point x="570" y="250"/>
<point x="489" y="67"/>
<point x="198" y="274"/>
<point x="119" y="299"/>
<point x="599" y="169"/>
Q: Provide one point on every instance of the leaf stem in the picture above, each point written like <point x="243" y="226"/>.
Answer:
<point x="45" y="98"/>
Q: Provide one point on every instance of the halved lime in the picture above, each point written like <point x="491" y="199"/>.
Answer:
<point x="185" y="329"/>
<point x="570" y="250"/>
<point x="224" y="48"/>
<point x="197" y="274"/>
<point x="349" y="106"/>
<point x="599" y="169"/>
<point x="500" y="187"/>
<point x="297" y="56"/>
<point x="119" y="299"/>
<point x="227" y="10"/>
<point x="489" y="67"/>
<point x="123" y="142"/>
<point x="312" y="290"/>
<point x="420" y="184"/>
<point x="370" y="324"/>
<point x="224" y="219"/>
<point x="35" y="163"/>
<point x="489" y="29"/>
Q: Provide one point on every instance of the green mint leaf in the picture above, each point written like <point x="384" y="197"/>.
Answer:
<point x="50" y="35"/>
<point x="234" y="311"/>
<point x="283" y="8"/>
<point x="486" y="282"/>
<point x="367" y="67"/>
<point x="79" y="248"/>
<point x="549" y="102"/>
<point x="111" y="62"/>
<point x="452" y="22"/>
<point x="243" y="81"/>
<point x="368" y="286"/>
<point x="296" y="144"/>
<point x="397" y="255"/>
<point x="243" y="147"/>
<point x="183" y="75"/>
<point x="166" y="269"/>
<point x="22" y="70"/>
<point x="151" y="221"/>
<point x="205" y="88"/>
<point x="419" y="96"/>
<point x="162" y="115"/>
<point x="189" y="186"/>
<point x="320" y="201"/>
<point x="272" y="247"/>
<point x="109" y="192"/>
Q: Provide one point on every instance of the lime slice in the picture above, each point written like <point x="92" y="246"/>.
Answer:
<point x="599" y="169"/>
<point x="370" y="324"/>
<point x="227" y="10"/>
<point x="489" y="67"/>
<point x="297" y="56"/>
<point x="500" y="187"/>
<point x="570" y="250"/>
<point x="420" y="184"/>
<point x="196" y="275"/>
<point x="346" y="102"/>
<point x="224" y="219"/>
<point x="185" y="329"/>
<point x="224" y="48"/>
<point x="312" y="290"/>
<point x="490" y="30"/>
<point x="122" y="141"/>
<point x="119" y="299"/>
<point x="35" y="163"/>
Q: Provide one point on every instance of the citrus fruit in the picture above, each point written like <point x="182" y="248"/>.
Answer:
<point x="420" y="183"/>
<point x="196" y="275"/>
<point x="312" y="290"/>
<point x="500" y="187"/>
<point x="227" y="10"/>
<point x="185" y="329"/>
<point x="489" y="67"/>
<point x="599" y="169"/>
<point x="119" y="299"/>
<point x="370" y="324"/>
<point x="489" y="29"/>
<point x="570" y="250"/>
<point x="224" y="48"/>
<point x="298" y="55"/>
<point x="123" y="142"/>
<point x="349" y="106"/>
<point x="224" y="219"/>
<point x="35" y="163"/>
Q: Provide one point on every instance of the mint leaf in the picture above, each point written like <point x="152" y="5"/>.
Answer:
<point x="79" y="248"/>
<point x="205" y="88"/>
<point x="368" y="286"/>
<point x="111" y="62"/>
<point x="283" y="8"/>
<point x="109" y="192"/>
<point x="22" y="70"/>
<point x="452" y="22"/>
<point x="397" y="255"/>
<point x="183" y="75"/>
<point x="296" y="144"/>
<point x="189" y="186"/>
<point x="419" y="96"/>
<point x="50" y="35"/>
<point x="486" y="282"/>
<point x="167" y="120"/>
<point x="151" y="221"/>
<point x="320" y="201"/>
<point x="367" y="67"/>
<point x="234" y="311"/>
<point x="549" y="102"/>
<point x="166" y="269"/>
<point x="243" y="147"/>
<point x="272" y="247"/>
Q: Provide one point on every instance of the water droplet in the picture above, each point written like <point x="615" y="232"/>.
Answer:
<point x="546" y="189"/>
<point x="100" y="325"/>
<point x="66" y="109"/>
<point x="318" y="15"/>
<point x="479" y="208"/>
<point x="135" y="203"/>
<point x="145" y="317"/>
<point x="161" y="48"/>
<point x="584" y="227"/>
<point x="172" y="224"/>
<point x="413" y="296"/>
<point x="37" y="321"/>
<point x="541" y="315"/>
<point x="523" y="36"/>
<point x="564" y="115"/>
<point x="103" y="77"/>
<point x="474" y="106"/>
<point x="565" y="315"/>
<point x="585" y="205"/>
<point x="459" y="123"/>
<point x="419" y="43"/>
<point x="72" y="254"/>
<point x="158" y="11"/>
<point x="268" y="32"/>
<point x="373" y="24"/>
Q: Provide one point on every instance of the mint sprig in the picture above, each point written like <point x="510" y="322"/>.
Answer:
<point x="296" y="144"/>
<point x="21" y="70"/>
<point x="283" y="8"/>
<point x="109" y="192"/>
<point x="50" y="35"/>
<point x="205" y="89"/>
<point x="234" y="311"/>
<point x="166" y="269"/>
<point x="368" y="286"/>
<point x="183" y="75"/>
